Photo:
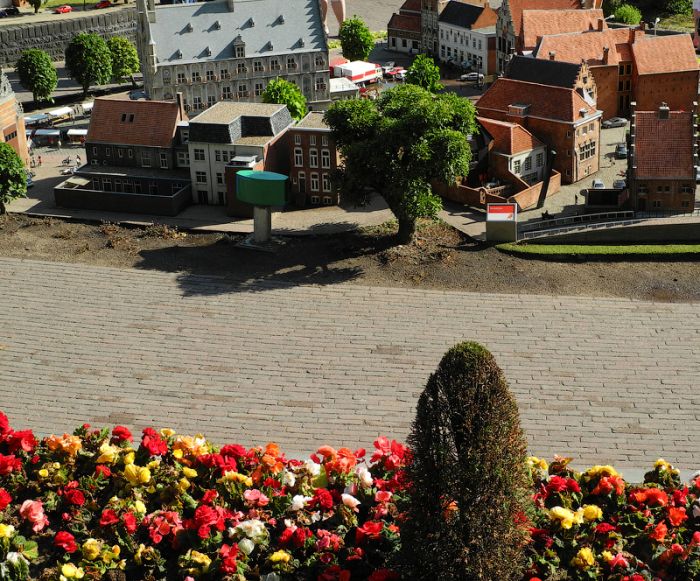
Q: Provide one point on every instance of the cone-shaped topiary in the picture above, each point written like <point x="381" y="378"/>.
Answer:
<point x="465" y="515"/>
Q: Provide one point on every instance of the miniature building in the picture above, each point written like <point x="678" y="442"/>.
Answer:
<point x="230" y="50"/>
<point x="313" y="162"/>
<point x="553" y="73"/>
<point x="404" y="30"/>
<point x="465" y="31"/>
<point x="342" y="88"/>
<point x="538" y="23"/>
<point x="136" y="159"/>
<point x="430" y="12"/>
<point x="12" y="129"/>
<point x="561" y="117"/>
<point x="662" y="159"/>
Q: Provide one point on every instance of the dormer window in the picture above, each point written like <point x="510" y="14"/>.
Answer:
<point x="251" y="22"/>
<point x="178" y="54"/>
<point x="217" y="25"/>
<point x="207" y="51"/>
<point x="189" y="28"/>
<point x="268" y="46"/>
<point x="300" y="43"/>
<point x="280" y="19"/>
<point x="239" y="47"/>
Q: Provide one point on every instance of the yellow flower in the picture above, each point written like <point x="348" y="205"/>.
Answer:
<point x="178" y="453"/>
<point x="6" y="531"/>
<point x="565" y="516"/>
<point x="91" y="549"/>
<point x="137" y="474"/>
<point x="535" y="462"/>
<point x="607" y="556"/>
<point x="189" y="472"/>
<point x="167" y="432"/>
<point x="201" y="559"/>
<point x="139" y="507"/>
<point x="592" y="512"/>
<point x="70" y="571"/>
<point x="108" y="454"/>
<point x="232" y="476"/>
<point x="578" y="516"/>
<point x="601" y="471"/>
<point x="583" y="559"/>
<point x="183" y="484"/>
<point x="280" y="557"/>
<point x="129" y="458"/>
<point x="662" y="465"/>
<point x="109" y="555"/>
<point x="43" y="473"/>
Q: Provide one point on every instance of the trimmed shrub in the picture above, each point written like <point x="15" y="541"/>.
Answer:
<point x="628" y="14"/>
<point x="469" y="485"/>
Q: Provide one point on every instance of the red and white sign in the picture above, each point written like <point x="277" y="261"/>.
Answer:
<point x="501" y="212"/>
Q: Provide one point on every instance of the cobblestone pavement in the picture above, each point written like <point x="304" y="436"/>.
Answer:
<point x="604" y="380"/>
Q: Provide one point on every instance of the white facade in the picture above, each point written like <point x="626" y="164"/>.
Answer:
<point x="528" y="165"/>
<point x="462" y="45"/>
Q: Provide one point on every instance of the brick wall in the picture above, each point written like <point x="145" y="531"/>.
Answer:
<point x="606" y="80"/>
<point x="54" y="36"/>
<point x="12" y="124"/>
<point x="678" y="90"/>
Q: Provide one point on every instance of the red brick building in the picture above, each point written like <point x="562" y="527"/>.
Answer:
<point x="12" y="129"/>
<point x="403" y="30"/>
<point x="538" y="23"/>
<point x="560" y="117"/>
<point x="662" y="159"/>
<point x="313" y="161"/>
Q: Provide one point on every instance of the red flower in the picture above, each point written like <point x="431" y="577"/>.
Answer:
<point x="122" y="434"/>
<point x="677" y="549"/>
<point x="384" y="575"/>
<point x="72" y="494"/>
<point x="23" y="440"/>
<point x="609" y="483"/>
<point x="9" y="464"/>
<point x="228" y="558"/>
<point x="619" y="561"/>
<point x="130" y="522"/>
<point x="235" y="450"/>
<point x="677" y="516"/>
<point x="371" y="529"/>
<point x="604" y="528"/>
<point x="103" y="470"/>
<point x="4" y="425"/>
<point x="5" y="499"/>
<point x="109" y="517"/>
<point x="209" y="496"/>
<point x="656" y="497"/>
<point x="64" y="540"/>
<point x="659" y="533"/>
<point x="152" y="441"/>
<point x="322" y="498"/>
<point x="334" y="573"/>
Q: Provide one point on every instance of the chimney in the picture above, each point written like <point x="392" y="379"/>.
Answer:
<point x="642" y="25"/>
<point x="664" y="111"/>
<point x="229" y="4"/>
<point x="180" y="105"/>
<point x="552" y="54"/>
<point x="601" y="24"/>
<point x="606" y="55"/>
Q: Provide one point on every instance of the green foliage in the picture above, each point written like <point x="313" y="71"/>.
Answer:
<point x="89" y="61"/>
<point x="599" y="250"/>
<point x="610" y="6"/>
<point x="398" y="144"/>
<point x="424" y="73"/>
<point x="13" y="177"/>
<point x="468" y="474"/>
<point x="125" y="58"/>
<point x="37" y="73"/>
<point x="679" y="6"/>
<point x="628" y="14"/>
<point x="286" y="93"/>
<point x="36" y="4"/>
<point x="356" y="40"/>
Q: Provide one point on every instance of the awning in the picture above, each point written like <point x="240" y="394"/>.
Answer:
<point x="48" y="132"/>
<point x="61" y="111"/>
<point x="77" y="132"/>
<point x="87" y="106"/>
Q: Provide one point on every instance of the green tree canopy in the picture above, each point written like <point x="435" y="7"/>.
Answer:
<point x="37" y="73"/>
<point x="398" y="144"/>
<point x="286" y="93"/>
<point x="679" y="7"/>
<point x="424" y="73"/>
<point x="13" y="176"/>
<point x="36" y="4"/>
<point x="89" y="61"/>
<point x="125" y="59"/>
<point x="628" y="14"/>
<point x="356" y="40"/>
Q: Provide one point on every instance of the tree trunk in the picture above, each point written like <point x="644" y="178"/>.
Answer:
<point x="2" y="208"/>
<point x="407" y="230"/>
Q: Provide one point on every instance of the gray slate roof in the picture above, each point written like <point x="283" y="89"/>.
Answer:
<point x="543" y="71"/>
<point x="229" y="122"/>
<point x="267" y="27"/>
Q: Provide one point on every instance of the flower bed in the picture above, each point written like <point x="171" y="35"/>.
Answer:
<point x="92" y="505"/>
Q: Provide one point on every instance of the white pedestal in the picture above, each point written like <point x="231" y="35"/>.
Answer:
<point x="262" y="223"/>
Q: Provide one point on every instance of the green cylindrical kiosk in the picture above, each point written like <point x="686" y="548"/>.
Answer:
<point x="262" y="189"/>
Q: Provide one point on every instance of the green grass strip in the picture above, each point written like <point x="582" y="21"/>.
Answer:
<point x="599" y="250"/>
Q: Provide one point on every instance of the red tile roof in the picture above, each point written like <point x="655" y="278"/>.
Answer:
<point x="588" y="46"/>
<point x="153" y="123"/>
<point x="557" y="103"/>
<point x="663" y="148"/>
<point x="411" y="6"/>
<point x="664" y="54"/>
<point x="518" y="6"/>
<point x="407" y="22"/>
<point x="537" y="23"/>
<point x="509" y="138"/>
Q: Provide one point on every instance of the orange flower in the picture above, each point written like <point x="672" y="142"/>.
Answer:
<point x="676" y="516"/>
<point x="659" y="533"/>
<point x="66" y="443"/>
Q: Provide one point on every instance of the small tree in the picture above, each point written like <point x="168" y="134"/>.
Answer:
<point x="125" y="59"/>
<point x="628" y="14"/>
<point x="356" y="40"/>
<point x="468" y="477"/>
<point x="286" y="93"/>
<point x="37" y="73"/>
<point x="610" y="6"/>
<point x="36" y="4"/>
<point x="679" y="7"/>
<point x="89" y="61"/>
<point x="13" y="176"/>
<point x="424" y="73"/>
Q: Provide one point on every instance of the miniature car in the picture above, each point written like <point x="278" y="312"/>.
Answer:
<point x="472" y="77"/>
<point x="621" y="151"/>
<point x="614" y="122"/>
<point x="63" y="9"/>
<point x="9" y="11"/>
<point x="387" y="66"/>
<point x="598" y="185"/>
<point x="619" y="184"/>
<point x="103" y="4"/>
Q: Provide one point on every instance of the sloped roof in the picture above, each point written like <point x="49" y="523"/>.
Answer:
<point x="208" y="31"/>
<point x="463" y="14"/>
<point x="517" y="7"/>
<point x="543" y="71"/>
<point x="537" y="23"/>
<point x="588" y="46"/>
<point x="123" y="121"/>
<point x="664" y="54"/>
<point x="557" y="103"/>
<point x="663" y="148"/>
<point x="408" y="22"/>
<point x="509" y="138"/>
<point x="411" y="6"/>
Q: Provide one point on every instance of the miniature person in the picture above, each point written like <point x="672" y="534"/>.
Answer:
<point x="39" y="159"/>
<point x="77" y="159"/>
<point x="338" y="10"/>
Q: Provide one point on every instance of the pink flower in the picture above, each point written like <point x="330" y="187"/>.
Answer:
<point x="383" y="496"/>
<point x="619" y="561"/>
<point x="351" y="502"/>
<point x="255" y="497"/>
<point x="33" y="511"/>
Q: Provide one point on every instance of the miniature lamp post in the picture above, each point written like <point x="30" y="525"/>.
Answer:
<point x="262" y="189"/>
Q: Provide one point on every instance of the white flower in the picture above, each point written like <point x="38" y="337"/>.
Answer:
<point x="247" y="546"/>
<point x="351" y="502"/>
<point x="696" y="510"/>
<point x="288" y="478"/>
<point x="313" y="468"/>
<point x="364" y="476"/>
<point x="253" y="529"/>
<point x="299" y="502"/>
